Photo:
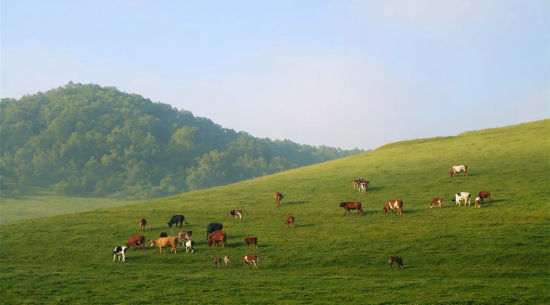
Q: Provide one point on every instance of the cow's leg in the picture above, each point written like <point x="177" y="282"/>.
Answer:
<point x="114" y="257"/>
<point x="123" y="257"/>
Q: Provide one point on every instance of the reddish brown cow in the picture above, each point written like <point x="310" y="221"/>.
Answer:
<point x="135" y="241"/>
<point x="351" y="205"/>
<point x="436" y="201"/>
<point x="398" y="260"/>
<point x="142" y="222"/>
<point x="217" y="261"/>
<point x="278" y="197"/>
<point x="251" y="240"/>
<point x="394" y="205"/>
<point x="216" y="237"/>
<point x="250" y="259"/>
<point x="290" y="222"/>
<point x="484" y="194"/>
<point x="236" y="213"/>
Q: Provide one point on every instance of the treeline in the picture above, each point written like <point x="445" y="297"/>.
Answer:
<point x="88" y="140"/>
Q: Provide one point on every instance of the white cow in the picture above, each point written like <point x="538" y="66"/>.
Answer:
<point x="458" y="169"/>
<point x="462" y="196"/>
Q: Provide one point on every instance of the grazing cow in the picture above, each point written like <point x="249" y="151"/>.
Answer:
<point x="278" y="197"/>
<point x="183" y="236"/>
<point x="120" y="252"/>
<point x="189" y="246"/>
<point x="360" y="184"/>
<point x="398" y="260"/>
<point x="177" y="219"/>
<point x="213" y="226"/>
<point x="142" y="222"/>
<point x="165" y="242"/>
<point x="479" y="201"/>
<point x="290" y="221"/>
<point x="436" y="202"/>
<point x="163" y="234"/>
<point x="250" y="259"/>
<point x="484" y="194"/>
<point x="217" y="261"/>
<point x="226" y="260"/>
<point x="462" y="196"/>
<point x="351" y="205"/>
<point x="237" y="213"/>
<point x="216" y="237"/>
<point x="458" y="169"/>
<point x="394" y="205"/>
<point x="136" y="240"/>
<point x="251" y="240"/>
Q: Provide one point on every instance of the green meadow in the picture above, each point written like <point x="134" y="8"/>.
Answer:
<point x="498" y="254"/>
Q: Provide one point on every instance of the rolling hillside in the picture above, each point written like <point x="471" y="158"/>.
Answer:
<point x="498" y="254"/>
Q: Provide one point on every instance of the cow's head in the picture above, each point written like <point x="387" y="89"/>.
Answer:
<point x="451" y="172"/>
<point x="153" y="243"/>
<point x="385" y="208"/>
<point x="169" y="224"/>
<point x="342" y="204"/>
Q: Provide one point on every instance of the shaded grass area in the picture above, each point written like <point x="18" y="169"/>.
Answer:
<point x="453" y="255"/>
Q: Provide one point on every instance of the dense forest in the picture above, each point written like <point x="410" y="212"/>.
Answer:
<point x="87" y="140"/>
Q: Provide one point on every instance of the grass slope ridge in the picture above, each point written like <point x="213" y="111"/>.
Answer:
<point x="494" y="255"/>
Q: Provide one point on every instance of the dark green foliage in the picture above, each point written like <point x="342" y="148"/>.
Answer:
<point x="91" y="140"/>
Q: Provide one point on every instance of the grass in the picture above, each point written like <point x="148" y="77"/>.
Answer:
<point x="494" y="255"/>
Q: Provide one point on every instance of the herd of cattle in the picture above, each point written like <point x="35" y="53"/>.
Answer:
<point x="215" y="235"/>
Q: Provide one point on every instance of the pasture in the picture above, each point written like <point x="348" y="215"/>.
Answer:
<point x="498" y="254"/>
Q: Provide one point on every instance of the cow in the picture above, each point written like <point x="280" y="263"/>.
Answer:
<point x="462" y="196"/>
<point x="183" y="236"/>
<point x="226" y="260"/>
<point x="479" y="201"/>
<point x="163" y="234"/>
<point x="251" y="240"/>
<point x="290" y="221"/>
<point x="217" y="261"/>
<point x="213" y="226"/>
<point x="438" y="201"/>
<point x="360" y="183"/>
<point x="250" y="259"/>
<point x="120" y="253"/>
<point x="165" y="242"/>
<point x="351" y="205"/>
<point x="177" y="219"/>
<point x="215" y="237"/>
<point x="142" y="222"/>
<point x="278" y="197"/>
<point x="458" y="169"/>
<point x="484" y="194"/>
<point x="189" y="246"/>
<point x="363" y="186"/>
<point x="237" y="213"/>
<point x="396" y="259"/>
<point x="136" y="240"/>
<point x="394" y="205"/>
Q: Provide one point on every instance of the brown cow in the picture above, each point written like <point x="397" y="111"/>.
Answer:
<point x="394" y="204"/>
<point x="278" y="197"/>
<point x="436" y="201"/>
<point x="136" y="240"/>
<point x="237" y="213"/>
<point x="226" y="260"/>
<point x="290" y="221"/>
<point x="250" y="259"/>
<point x="398" y="260"/>
<point x="165" y="242"/>
<point x="484" y="194"/>
<point x="349" y="205"/>
<point x="215" y="237"/>
<point x="217" y="261"/>
<point x="142" y="222"/>
<point x="251" y="240"/>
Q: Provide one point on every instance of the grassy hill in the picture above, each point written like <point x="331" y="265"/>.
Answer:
<point x="498" y="254"/>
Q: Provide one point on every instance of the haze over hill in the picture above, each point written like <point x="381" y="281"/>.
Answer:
<point x="90" y="140"/>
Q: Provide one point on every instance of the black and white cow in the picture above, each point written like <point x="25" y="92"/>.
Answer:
<point x="120" y="252"/>
<point x="189" y="246"/>
<point x="462" y="196"/>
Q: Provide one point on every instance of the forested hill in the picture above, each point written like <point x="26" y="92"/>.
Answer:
<point x="91" y="140"/>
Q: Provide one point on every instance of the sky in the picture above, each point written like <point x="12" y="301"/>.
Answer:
<point x="350" y="74"/>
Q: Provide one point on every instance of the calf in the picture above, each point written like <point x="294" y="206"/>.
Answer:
<point x="177" y="219"/>
<point x="136" y="240"/>
<point x="394" y="205"/>
<point x="479" y="201"/>
<point x="462" y="196"/>
<point x="189" y="246"/>
<point x="363" y="186"/>
<point x="237" y="213"/>
<point x="142" y="222"/>
<point x="398" y="260"/>
<point x="120" y="253"/>
<point x="217" y="261"/>
<point x="278" y="196"/>
<point x="250" y="259"/>
<point x="251" y="240"/>
<point x="351" y="205"/>
<point x="290" y="221"/>
<point x="226" y="260"/>
<point x="164" y="242"/>
<point x="436" y="201"/>
<point x="484" y="194"/>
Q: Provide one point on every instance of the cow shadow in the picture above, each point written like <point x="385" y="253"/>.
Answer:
<point x="304" y="225"/>
<point x="295" y="202"/>
<point x="374" y="188"/>
<point x="486" y="201"/>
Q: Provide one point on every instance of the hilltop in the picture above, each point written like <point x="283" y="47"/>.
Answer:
<point x="453" y="255"/>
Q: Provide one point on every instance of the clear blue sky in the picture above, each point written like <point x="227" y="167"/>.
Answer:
<point x="340" y="73"/>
